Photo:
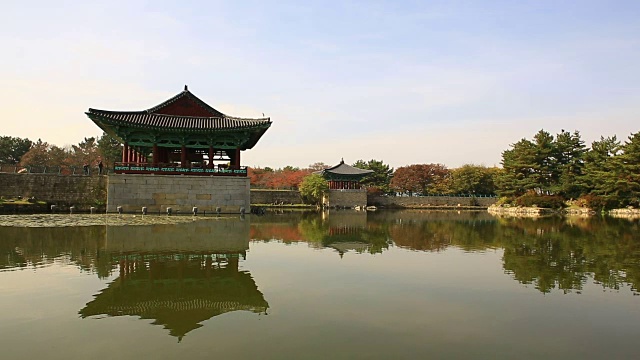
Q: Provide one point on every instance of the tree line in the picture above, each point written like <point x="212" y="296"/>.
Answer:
<point x="551" y="170"/>
<point x="24" y="152"/>
<point x="547" y="171"/>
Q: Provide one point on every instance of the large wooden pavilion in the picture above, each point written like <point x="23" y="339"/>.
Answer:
<point x="182" y="135"/>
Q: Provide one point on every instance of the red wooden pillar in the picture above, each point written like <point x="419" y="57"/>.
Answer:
<point x="211" y="154"/>
<point x="183" y="156"/>
<point x="125" y="152"/>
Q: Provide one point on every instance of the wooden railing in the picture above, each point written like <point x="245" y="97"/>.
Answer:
<point x="176" y="169"/>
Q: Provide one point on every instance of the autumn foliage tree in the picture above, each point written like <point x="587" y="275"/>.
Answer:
<point x="43" y="154"/>
<point x="86" y="152"/>
<point x="89" y="152"/>
<point x="421" y="179"/>
<point x="288" y="178"/>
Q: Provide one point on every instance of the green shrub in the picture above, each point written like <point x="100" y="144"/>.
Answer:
<point x="543" y="201"/>
<point x="504" y="201"/>
<point x="596" y="202"/>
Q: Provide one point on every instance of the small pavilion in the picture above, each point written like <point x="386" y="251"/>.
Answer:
<point x="182" y="135"/>
<point x="343" y="176"/>
<point x="345" y="190"/>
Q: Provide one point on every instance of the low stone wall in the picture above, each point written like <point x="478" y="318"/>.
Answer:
<point x="350" y="198"/>
<point x="429" y="201"/>
<point x="79" y="191"/>
<point x="260" y="196"/>
<point x="181" y="193"/>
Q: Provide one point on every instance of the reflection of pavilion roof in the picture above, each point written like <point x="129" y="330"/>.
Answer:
<point x="178" y="294"/>
<point x="343" y="247"/>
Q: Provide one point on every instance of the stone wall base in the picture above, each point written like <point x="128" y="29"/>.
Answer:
<point x="345" y="198"/>
<point x="180" y="193"/>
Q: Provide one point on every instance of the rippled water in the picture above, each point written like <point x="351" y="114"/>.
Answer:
<point x="339" y="285"/>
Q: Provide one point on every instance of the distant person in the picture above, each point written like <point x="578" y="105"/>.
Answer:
<point x="100" y="166"/>
<point x="85" y="167"/>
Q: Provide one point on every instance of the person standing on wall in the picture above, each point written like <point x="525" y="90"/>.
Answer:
<point x="100" y="166"/>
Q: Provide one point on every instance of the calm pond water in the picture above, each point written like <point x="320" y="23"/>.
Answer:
<point x="338" y="285"/>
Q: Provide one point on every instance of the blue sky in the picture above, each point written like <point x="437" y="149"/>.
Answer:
<point x="405" y="82"/>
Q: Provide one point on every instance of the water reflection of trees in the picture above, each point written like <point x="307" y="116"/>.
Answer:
<point x="547" y="252"/>
<point x="37" y="247"/>
<point x="435" y="231"/>
<point x="553" y="252"/>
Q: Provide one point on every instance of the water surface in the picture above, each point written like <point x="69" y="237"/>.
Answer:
<point x="340" y="285"/>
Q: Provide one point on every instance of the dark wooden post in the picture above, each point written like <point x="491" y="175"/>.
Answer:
<point x="237" y="158"/>
<point x="155" y="154"/>
<point x="211" y="154"/>
<point x="183" y="156"/>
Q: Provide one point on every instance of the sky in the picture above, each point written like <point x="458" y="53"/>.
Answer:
<point x="405" y="82"/>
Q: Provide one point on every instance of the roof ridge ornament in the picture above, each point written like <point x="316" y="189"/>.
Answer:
<point x="342" y="161"/>
<point x="186" y="88"/>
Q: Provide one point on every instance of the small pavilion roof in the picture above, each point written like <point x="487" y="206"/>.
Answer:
<point x="344" y="169"/>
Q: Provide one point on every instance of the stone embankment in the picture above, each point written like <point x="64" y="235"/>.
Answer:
<point x="578" y="212"/>
<point x="431" y="202"/>
<point x="520" y="211"/>
<point x="625" y="213"/>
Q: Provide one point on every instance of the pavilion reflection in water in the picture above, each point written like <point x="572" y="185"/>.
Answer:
<point x="341" y="230"/>
<point x="178" y="275"/>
